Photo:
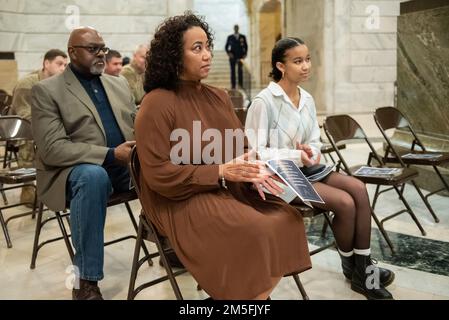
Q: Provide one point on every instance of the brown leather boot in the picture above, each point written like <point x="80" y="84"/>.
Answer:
<point x="88" y="290"/>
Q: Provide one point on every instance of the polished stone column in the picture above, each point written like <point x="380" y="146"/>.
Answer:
<point x="423" y="73"/>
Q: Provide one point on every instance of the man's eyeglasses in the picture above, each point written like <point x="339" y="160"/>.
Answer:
<point x="94" y="50"/>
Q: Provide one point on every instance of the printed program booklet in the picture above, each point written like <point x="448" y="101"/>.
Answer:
<point x="421" y="156"/>
<point x="365" y="171"/>
<point x="292" y="176"/>
<point x="322" y="172"/>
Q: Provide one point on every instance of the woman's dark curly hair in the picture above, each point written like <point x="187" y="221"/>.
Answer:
<point x="165" y="58"/>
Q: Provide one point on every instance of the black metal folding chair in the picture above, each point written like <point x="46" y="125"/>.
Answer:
<point x="388" y="118"/>
<point x="148" y="231"/>
<point x="14" y="129"/>
<point x="114" y="199"/>
<point x="344" y="128"/>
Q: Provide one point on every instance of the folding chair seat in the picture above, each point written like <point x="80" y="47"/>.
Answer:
<point x="148" y="231"/>
<point x="14" y="129"/>
<point x="114" y="199"/>
<point x="344" y="128"/>
<point x="388" y="118"/>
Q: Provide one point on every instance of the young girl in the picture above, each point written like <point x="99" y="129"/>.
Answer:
<point x="283" y="118"/>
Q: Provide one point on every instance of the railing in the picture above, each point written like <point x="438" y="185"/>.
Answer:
<point x="247" y="81"/>
<point x="265" y="69"/>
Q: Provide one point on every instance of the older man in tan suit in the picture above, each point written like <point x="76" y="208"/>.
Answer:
<point x="82" y="126"/>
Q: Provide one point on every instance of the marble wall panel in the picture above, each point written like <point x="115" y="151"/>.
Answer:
<point x="12" y="5"/>
<point x="103" y="7"/>
<point x="11" y="41"/>
<point x="373" y="58"/>
<point x="30" y="27"/>
<point x="423" y="70"/>
<point x="373" y="74"/>
<point x="373" y="41"/>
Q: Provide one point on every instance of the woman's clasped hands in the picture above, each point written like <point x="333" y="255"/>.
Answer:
<point x="245" y="169"/>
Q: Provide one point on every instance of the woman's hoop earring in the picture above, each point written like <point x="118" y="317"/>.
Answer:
<point x="283" y="74"/>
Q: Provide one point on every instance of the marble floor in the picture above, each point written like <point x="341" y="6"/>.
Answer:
<point x="421" y="263"/>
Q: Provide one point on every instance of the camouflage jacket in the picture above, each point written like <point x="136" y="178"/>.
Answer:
<point x="135" y="82"/>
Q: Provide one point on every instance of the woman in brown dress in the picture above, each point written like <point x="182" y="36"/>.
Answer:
<point x="236" y="243"/>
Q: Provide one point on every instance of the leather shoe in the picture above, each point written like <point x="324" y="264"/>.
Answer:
<point x="88" y="290"/>
<point x="386" y="276"/>
<point x="364" y="281"/>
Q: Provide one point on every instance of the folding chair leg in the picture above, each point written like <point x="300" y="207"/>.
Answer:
<point x="376" y="196"/>
<point x="326" y="223"/>
<point x="429" y="207"/>
<point x="5" y="230"/>
<point x="324" y="229"/>
<point x="403" y="188"/>
<point x="5" y="158"/>
<point x="446" y="185"/>
<point x="133" y="220"/>
<point x="383" y="231"/>
<point x="36" y="235"/>
<point x="16" y="157"/>
<point x="136" y="256"/>
<point x="5" y="200"/>
<point x="169" y="271"/>
<point x="65" y="235"/>
<point x="410" y="211"/>
<point x="332" y="158"/>
<point x="33" y="215"/>
<point x="300" y="287"/>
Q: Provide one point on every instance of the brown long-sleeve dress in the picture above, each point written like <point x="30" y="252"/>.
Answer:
<point x="231" y="241"/>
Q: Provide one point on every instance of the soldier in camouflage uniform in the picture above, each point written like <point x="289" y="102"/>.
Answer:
<point x="54" y="63"/>
<point x="134" y="73"/>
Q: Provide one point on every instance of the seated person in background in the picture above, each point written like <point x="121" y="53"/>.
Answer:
<point x="281" y="123"/>
<point x="114" y="63"/>
<point x="125" y="61"/>
<point x="134" y="73"/>
<point x="54" y="63"/>
<point x="83" y="130"/>
<point x="234" y="243"/>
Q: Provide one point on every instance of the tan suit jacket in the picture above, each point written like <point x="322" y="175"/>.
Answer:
<point x="68" y="130"/>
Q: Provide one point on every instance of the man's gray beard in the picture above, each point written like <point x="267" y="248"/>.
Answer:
<point x="96" y="70"/>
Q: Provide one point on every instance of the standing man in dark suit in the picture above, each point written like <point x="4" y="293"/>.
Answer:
<point x="82" y="125"/>
<point x="236" y="48"/>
